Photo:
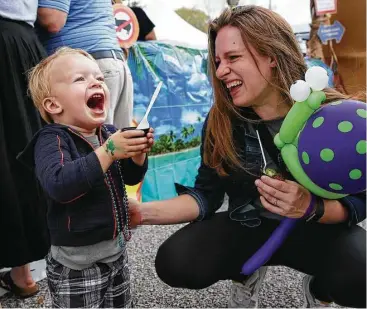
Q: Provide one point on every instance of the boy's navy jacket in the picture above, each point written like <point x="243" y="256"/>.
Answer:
<point x="81" y="210"/>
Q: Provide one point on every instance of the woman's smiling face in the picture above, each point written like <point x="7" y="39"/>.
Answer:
<point x="245" y="73"/>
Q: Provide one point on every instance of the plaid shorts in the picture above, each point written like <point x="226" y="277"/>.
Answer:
<point x="103" y="285"/>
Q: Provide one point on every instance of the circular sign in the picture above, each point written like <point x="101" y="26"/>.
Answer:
<point x="127" y="26"/>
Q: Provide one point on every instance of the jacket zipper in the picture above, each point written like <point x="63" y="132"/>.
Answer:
<point x="100" y="140"/>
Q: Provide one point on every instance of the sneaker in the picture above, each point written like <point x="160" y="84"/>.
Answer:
<point x="245" y="294"/>
<point x="309" y="300"/>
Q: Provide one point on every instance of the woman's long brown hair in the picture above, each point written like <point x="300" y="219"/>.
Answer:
<point x="270" y="35"/>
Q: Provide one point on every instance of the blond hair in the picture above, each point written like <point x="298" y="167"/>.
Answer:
<point x="271" y="36"/>
<point x="39" y="78"/>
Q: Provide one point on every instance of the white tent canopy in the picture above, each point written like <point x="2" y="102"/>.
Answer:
<point x="170" y="27"/>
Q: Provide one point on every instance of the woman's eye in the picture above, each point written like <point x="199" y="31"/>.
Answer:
<point x="232" y="57"/>
<point x="79" y="79"/>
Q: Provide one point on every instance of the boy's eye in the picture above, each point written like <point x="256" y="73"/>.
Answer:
<point x="101" y="79"/>
<point x="79" y="79"/>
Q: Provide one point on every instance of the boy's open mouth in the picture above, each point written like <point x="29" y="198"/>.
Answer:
<point x="96" y="102"/>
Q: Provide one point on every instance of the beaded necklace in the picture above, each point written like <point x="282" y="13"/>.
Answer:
<point x="121" y="208"/>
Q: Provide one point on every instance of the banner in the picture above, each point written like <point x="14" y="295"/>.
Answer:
<point x="177" y="115"/>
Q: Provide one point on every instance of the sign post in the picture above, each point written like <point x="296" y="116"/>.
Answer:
<point x="325" y="7"/>
<point x="331" y="32"/>
<point x="127" y="26"/>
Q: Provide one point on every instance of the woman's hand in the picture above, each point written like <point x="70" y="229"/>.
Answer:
<point x="286" y="198"/>
<point x="134" y="213"/>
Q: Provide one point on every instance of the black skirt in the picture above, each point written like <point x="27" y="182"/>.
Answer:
<point x="23" y="230"/>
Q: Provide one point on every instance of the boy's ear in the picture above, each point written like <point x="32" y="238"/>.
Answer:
<point x="51" y="106"/>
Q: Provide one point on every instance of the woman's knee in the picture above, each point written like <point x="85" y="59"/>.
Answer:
<point x="346" y="275"/>
<point x="348" y="289"/>
<point x="177" y="267"/>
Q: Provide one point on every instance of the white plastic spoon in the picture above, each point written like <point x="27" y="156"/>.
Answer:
<point x="144" y="124"/>
<point x="262" y="152"/>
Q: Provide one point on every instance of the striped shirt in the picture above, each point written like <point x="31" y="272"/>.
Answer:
<point x="90" y="25"/>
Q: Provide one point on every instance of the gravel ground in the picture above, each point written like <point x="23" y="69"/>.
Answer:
<point x="281" y="288"/>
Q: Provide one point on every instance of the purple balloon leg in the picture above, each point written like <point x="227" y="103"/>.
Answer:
<point x="269" y="247"/>
<point x="275" y="240"/>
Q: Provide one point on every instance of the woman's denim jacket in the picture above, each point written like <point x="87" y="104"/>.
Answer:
<point x="210" y="188"/>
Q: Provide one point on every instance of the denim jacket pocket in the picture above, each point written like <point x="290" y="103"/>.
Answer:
<point x="253" y="158"/>
<point x="247" y="214"/>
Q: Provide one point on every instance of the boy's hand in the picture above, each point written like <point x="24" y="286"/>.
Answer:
<point x="140" y="158"/>
<point x="150" y="137"/>
<point x="127" y="144"/>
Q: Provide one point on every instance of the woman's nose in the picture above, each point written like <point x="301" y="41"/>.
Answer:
<point x="222" y="71"/>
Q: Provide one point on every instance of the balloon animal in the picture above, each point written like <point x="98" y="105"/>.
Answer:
<point x="323" y="147"/>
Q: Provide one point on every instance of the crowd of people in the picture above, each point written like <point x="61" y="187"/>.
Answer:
<point x="66" y="93"/>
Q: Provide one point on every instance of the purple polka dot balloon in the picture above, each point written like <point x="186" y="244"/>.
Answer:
<point x="332" y="147"/>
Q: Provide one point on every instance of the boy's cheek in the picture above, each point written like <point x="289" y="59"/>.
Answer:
<point x="107" y="95"/>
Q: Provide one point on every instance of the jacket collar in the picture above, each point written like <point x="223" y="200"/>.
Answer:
<point x="27" y="155"/>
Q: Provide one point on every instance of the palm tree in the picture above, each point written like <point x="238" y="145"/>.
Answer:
<point x="185" y="132"/>
<point x="172" y="136"/>
<point x="179" y="144"/>
<point x="196" y="141"/>
<point x="191" y="130"/>
<point x="165" y="143"/>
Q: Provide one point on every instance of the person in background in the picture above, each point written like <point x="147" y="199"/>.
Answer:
<point x="146" y="26"/>
<point x="23" y="229"/>
<point x="90" y="25"/>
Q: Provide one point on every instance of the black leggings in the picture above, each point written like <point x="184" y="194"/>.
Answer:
<point x="202" y="253"/>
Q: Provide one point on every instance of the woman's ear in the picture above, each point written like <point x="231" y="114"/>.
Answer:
<point x="51" y="106"/>
<point x="272" y="62"/>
